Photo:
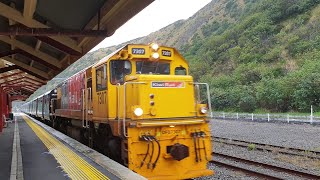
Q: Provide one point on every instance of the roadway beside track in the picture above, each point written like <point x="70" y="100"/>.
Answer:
<point x="50" y="154"/>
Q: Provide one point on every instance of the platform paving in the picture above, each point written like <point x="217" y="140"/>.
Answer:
<point x="23" y="155"/>
<point x="38" y="164"/>
<point x="6" y="140"/>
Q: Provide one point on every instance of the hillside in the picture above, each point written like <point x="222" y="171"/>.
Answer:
<point x="255" y="54"/>
<point x="268" y="60"/>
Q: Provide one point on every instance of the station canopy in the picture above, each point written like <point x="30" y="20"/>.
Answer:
<point x="41" y="38"/>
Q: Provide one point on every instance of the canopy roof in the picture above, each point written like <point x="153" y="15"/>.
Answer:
<point x="40" y="38"/>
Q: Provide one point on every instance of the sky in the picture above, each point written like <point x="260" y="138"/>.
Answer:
<point x="157" y="15"/>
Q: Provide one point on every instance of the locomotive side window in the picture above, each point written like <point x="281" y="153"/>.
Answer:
<point x="101" y="78"/>
<point x="147" y="67"/>
<point x="180" y="71"/>
<point x="119" y="69"/>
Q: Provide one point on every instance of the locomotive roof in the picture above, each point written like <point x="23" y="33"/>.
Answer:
<point x="107" y="58"/>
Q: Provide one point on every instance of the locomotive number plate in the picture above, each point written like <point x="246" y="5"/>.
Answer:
<point x="166" y="53"/>
<point x="139" y="51"/>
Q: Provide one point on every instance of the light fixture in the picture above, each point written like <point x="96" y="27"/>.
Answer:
<point x="154" y="46"/>
<point x="138" y="112"/>
<point x="203" y="110"/>
<point x="155" y="55"/>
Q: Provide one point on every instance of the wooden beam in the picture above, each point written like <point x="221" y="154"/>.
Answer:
<point x="12" y="22"/>
<point x="30" y="70"/>
<point x="24" y="75"/>
<point x="28" y="90"/>
<point x="30" y="56"/>
<point x="24" y="83"/>
<point x="31" y="81"/>
<point x="93" y="23"/>
<point x="12" y="80"/>
<point x="11" y="75"/>
<point x="111" y="20"/>
<point x="33" y="88"/>
<point x="18" y="97"/>
<point x="13" y="14"/>
<point x="9" y="68"/>
<point x="29" y="8"/>
<point x="2" y="63"/>
<point x="28" y="76"/>
<point x="21" y="80"/>
<point x="38" y="45"/>
<point x="45" y="57"/>
<point x="8" y="53"/>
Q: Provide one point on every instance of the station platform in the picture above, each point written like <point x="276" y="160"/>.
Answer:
<point x="32" y="150"/>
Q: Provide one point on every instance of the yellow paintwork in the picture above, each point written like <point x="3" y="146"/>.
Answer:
<point x="167" y="167"/>
<point x="173" y="117"/>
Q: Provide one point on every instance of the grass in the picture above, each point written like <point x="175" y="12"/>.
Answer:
<point x="251" y="147"/>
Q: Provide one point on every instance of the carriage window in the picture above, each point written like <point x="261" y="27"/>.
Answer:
<point x="119" y="69"/>
<point x="101" y="78"/>
<point x="180" y="71"/>
<point x="147" y="67"/>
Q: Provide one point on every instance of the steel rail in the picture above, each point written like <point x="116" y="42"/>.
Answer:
<point x="246" y="171"/>
<point x="269" y="147"/>
<point x="264" y="165"/>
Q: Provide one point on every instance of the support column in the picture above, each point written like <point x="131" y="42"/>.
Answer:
<point x="1" y="107"/>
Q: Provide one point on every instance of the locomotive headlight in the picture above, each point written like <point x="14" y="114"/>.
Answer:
<point x="203" y="110"/>
<point x="155" y="55"/>
<point x="155" y="47"/>
<point x="138" y="112"/>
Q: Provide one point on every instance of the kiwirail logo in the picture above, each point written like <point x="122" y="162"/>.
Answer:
<point x="167" y="85"/>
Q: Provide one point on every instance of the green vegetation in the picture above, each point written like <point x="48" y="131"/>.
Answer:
<point x="267" y="59"/>
<point x="251" y="147"/>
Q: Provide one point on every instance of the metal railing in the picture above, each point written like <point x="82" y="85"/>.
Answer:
<point x="208" y="97"/>
<point x="268" y="117"/>
<point x="124" y="105"/>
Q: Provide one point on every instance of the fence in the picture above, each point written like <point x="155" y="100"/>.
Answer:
<point x="267" y="117"/>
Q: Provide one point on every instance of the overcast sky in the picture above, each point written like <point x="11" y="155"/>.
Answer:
<point x="157" y="15"/>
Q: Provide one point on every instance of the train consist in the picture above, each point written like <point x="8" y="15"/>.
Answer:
<point x="138" y="106"/>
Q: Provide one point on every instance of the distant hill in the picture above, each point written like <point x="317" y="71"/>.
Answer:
<point x="255" y="54"/>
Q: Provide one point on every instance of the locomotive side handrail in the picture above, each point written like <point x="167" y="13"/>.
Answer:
<point x="124" y="105"/>
<point x="83" y="106"/>
<point x="90" y="106"/>
<point x="118" y="107"/>
<point x="86" y="99"/>
<point x="208" y="96"/>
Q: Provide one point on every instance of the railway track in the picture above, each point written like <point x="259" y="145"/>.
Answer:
<point x="268" y="147"/>
<point x="248" y="166"/>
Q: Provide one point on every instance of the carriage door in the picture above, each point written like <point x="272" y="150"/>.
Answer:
<point x="100" y="110"/>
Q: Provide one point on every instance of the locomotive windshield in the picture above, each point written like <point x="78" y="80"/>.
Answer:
<point x="147" y="67"/>
<point x="118" y="70"/>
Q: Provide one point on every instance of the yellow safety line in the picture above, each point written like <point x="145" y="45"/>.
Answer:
<point x="70" y="162"/>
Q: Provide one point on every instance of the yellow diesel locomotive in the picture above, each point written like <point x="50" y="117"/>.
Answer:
<point x="140" y="107"/>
